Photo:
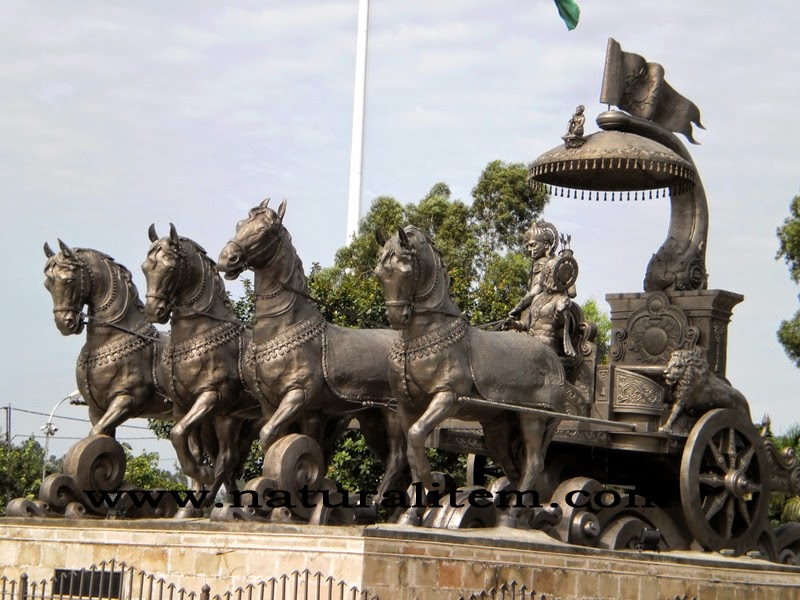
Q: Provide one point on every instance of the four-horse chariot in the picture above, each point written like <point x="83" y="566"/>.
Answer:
<point x="651" y="449"/>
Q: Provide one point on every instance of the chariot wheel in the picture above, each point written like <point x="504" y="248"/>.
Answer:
<point x="724" y="482"/>
<point x="295" y="462"/>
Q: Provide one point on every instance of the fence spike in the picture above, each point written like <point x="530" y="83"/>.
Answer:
<point x="23" y="587"/>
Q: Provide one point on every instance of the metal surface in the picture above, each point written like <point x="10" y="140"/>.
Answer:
<point x="115" y="371"/>
<point x="203" y="363"/>
<point x="309" y="373"/>
<point x="114" y="580"/>
<point x="437" y="360"/>
<point x="724" y="482"/>
<point x="548" y="413"/>
<point x="635" y="155"/>
<point x="295" y="461"/>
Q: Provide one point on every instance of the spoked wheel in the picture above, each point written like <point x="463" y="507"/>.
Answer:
<point x="725" y="482"/>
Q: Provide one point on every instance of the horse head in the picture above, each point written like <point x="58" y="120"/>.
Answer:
<point x="68" y="280"/>
<point x="256" y="241"/>
<point x="165" y="270"/>
<point x="410" y="270"/>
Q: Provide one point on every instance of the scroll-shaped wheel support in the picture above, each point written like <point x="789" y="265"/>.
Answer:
<point x="680" y="262"/>
<point x="724" y="482"/>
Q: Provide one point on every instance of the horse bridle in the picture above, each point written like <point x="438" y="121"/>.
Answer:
<point x="412" y="302"/>
<point x="82" y="295"/>
<point x="168" y="296"/>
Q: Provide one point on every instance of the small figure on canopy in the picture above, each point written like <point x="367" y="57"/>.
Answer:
<point x="574" y="137"/>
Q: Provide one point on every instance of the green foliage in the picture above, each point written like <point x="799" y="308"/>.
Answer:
<point x="160" y="428"/>
<point x="593" y="314"/>
<point x="784" y="508"/>
<point x="353" y="466"/>
<point x="789" y="238"/>
<point x="254" y="462"/>
<point x="482" y="246"/>
<point x="143" y="472"/>
<point x="504" y="206"/>
<point x="245" y="307"/>
<point x="20" y="471"/>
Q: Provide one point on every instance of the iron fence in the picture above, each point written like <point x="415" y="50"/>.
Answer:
<point x="509" y="591"/>
<point x="118" y="581"/>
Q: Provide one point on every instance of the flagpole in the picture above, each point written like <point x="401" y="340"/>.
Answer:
<point x="357" y="140"/>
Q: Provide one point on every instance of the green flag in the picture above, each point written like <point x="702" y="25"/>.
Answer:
<point x="568" y="11"/>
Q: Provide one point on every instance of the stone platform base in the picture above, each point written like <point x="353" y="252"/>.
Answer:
<point x="392" y="562"/>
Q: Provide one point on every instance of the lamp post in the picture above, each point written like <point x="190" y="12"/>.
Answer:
<point x="49" y="429"/>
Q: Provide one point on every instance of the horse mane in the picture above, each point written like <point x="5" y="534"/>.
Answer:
<point x="200" y="251"/>
<point x="300" y="280"/>
<point x="419" y="238"/>
<point x="123" y="273"/>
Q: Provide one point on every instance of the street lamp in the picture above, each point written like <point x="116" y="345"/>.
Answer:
<point x="49" y="429"/>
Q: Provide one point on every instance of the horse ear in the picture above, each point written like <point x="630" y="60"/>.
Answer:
<point x="151" y="232"/>
<point x="404" y="241"/>
<point x="48" y="251"/>
<point x="282" y="210"/>
<point x="264" y="203"/>
<point x="380" y="236"/>
<point x="173" y="234"/>
<point x="66" y="250"/>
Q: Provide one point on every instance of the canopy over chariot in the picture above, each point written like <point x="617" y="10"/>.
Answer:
<point x="654" y="448"/>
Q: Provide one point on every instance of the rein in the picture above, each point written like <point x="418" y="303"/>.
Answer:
<point x="86" y="318"/>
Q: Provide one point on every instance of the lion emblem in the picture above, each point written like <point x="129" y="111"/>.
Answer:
<point x="696" y="389"/>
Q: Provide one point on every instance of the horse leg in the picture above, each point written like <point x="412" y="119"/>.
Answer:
<point x="228" y="430"/>
<point x="118" y="412"/>
<point x="203" y="405"/>
<point x="290" y="407"/>
<point x="537" y="432"/>
<point x="497" y="434"/>
<point x="442" y="406"/>
<point x="386" y="438"/>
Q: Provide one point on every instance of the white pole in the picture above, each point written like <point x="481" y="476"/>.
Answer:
<point x="357" y="142"/>
<point x="49" y="429"/>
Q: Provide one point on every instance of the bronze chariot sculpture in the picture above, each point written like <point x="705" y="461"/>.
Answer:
<point x="653" y="449"/>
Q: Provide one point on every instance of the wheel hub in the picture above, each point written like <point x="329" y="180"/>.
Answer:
<point x="737" y="484"/>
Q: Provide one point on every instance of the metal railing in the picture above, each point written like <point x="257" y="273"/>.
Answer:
<point x="509" y="591"/>
<point x="118" y="581"/>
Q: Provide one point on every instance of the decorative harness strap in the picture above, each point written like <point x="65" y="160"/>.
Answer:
<point x="108" y="353"/>
<point x="286" y="341"/>
<point x="429" y="344"/>
<point x="221" y="333"/>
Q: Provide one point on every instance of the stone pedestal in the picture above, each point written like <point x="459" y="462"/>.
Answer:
<point x="390" y="562"/>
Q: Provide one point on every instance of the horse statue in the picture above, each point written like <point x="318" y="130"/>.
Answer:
<point x="309" y="371"/>
<point x="442" y="368"/>
<point x="203" y="361"/>
<point x="115" y="369"/>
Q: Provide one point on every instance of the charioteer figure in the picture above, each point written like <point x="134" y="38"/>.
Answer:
<point x="547" y="311"/>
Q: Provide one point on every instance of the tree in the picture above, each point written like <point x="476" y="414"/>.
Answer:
<point x="593" y="314"/>
<point x="784" y="508"/>
<point x="789" y="237"/>
<point x="143" y="472"/>
<point x="20" y="471"/>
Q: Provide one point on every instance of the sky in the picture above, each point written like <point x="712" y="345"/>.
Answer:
<point x="117" y="115"/>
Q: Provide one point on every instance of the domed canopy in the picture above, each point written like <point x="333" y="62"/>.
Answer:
<point x="615" y="162"/>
